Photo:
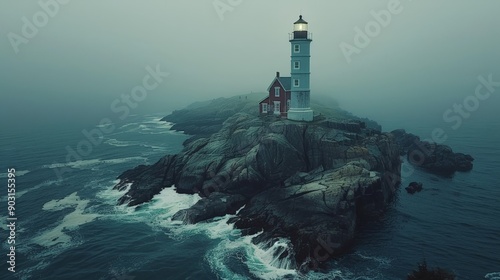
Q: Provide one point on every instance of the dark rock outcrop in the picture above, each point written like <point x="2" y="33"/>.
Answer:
<point x="414" y="187"/>
<point x="311" y="183"/>
<point x="425" y="273"/>
<point x="147" y="181"/>
<point x="250" y="154"/>
<point x="301" y="181"/>
<point x="217" y="204"/>
<point x="320" y="215"/>
<point x="435" y="158"/>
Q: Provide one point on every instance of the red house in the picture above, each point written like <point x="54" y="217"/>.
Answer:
<point x="278" y="101"/>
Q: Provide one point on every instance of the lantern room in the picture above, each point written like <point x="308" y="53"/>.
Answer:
<point x="300" y="29"/>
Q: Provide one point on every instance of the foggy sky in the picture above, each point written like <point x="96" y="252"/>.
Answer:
<point x="91" y="52"/>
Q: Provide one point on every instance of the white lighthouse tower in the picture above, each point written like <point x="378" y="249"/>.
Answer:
<point x="300" y="90"/>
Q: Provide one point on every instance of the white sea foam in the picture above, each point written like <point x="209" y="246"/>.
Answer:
<point x="156" y="120"/>
<point x="158" y="214"/>
<point x="154" y="147"/>
<point x="3" y="225"/>
<point x="108" y="194"/>
<point x="169" y="201"/>
<point x="92" y="163"/>
<point x="265" y="263"/>
<point x="18" y="173"/>
<point x="157" y="127"/>
<point x="164" y="206"/>
<point x="381" y="261"/>
<point x="58" y="239"/>
<point x="145" y="127"/>
<point x="269" y="255"/>
<point x="492" y="276"/>
<point x="158" y="132"/>
<point x="20" y="193"/>
<point x="108" y="207"/>
<point x="159" y="211"/>
<point x="71" y="222"/>
<point x="261" y="262"/>
<point x="153" y="130"/>
<point x="119" y="143"/>
<point x="152" y="126"/>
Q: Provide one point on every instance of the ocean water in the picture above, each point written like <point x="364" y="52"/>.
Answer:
<point x="71" y="227"/>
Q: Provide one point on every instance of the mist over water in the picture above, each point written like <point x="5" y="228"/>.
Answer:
<point x="419" y="71"/>
<point x="91" y="53"/>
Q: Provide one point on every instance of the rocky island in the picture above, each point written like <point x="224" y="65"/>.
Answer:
<point x="311" y="183"/>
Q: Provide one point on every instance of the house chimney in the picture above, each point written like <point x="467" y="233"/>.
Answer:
<point x="277" y="74"/>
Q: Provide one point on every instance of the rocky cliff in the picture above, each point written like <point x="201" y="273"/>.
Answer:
<point x="308" y="182"/>
<point x="435" y="158"/>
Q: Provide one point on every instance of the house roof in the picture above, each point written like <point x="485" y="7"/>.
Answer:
<point x="264" y="100"/>
<point x="286" y="83"/>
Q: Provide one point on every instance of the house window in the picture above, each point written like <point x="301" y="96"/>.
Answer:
<point x="277" y="92"/>
<point x="296" y="83"/>
<point x="264" y="107"/>
<point x="296" y="48"/>
<point x="296" y="65"/>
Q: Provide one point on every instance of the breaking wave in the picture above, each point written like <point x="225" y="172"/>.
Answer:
<point x="18" y="173"/>
<point x="492" y="276"/>
<point x="93" y="163"/>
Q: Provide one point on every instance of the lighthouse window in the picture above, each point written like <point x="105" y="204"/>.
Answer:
<point x="296" y="83"/>
<point x="296" y="65"/>
<point x="277" y="92"/>
<point x="296" y="48"/>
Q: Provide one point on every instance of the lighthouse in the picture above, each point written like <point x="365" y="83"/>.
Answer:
<point x="289" y="96"/>
<point x="300" y="41"/>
